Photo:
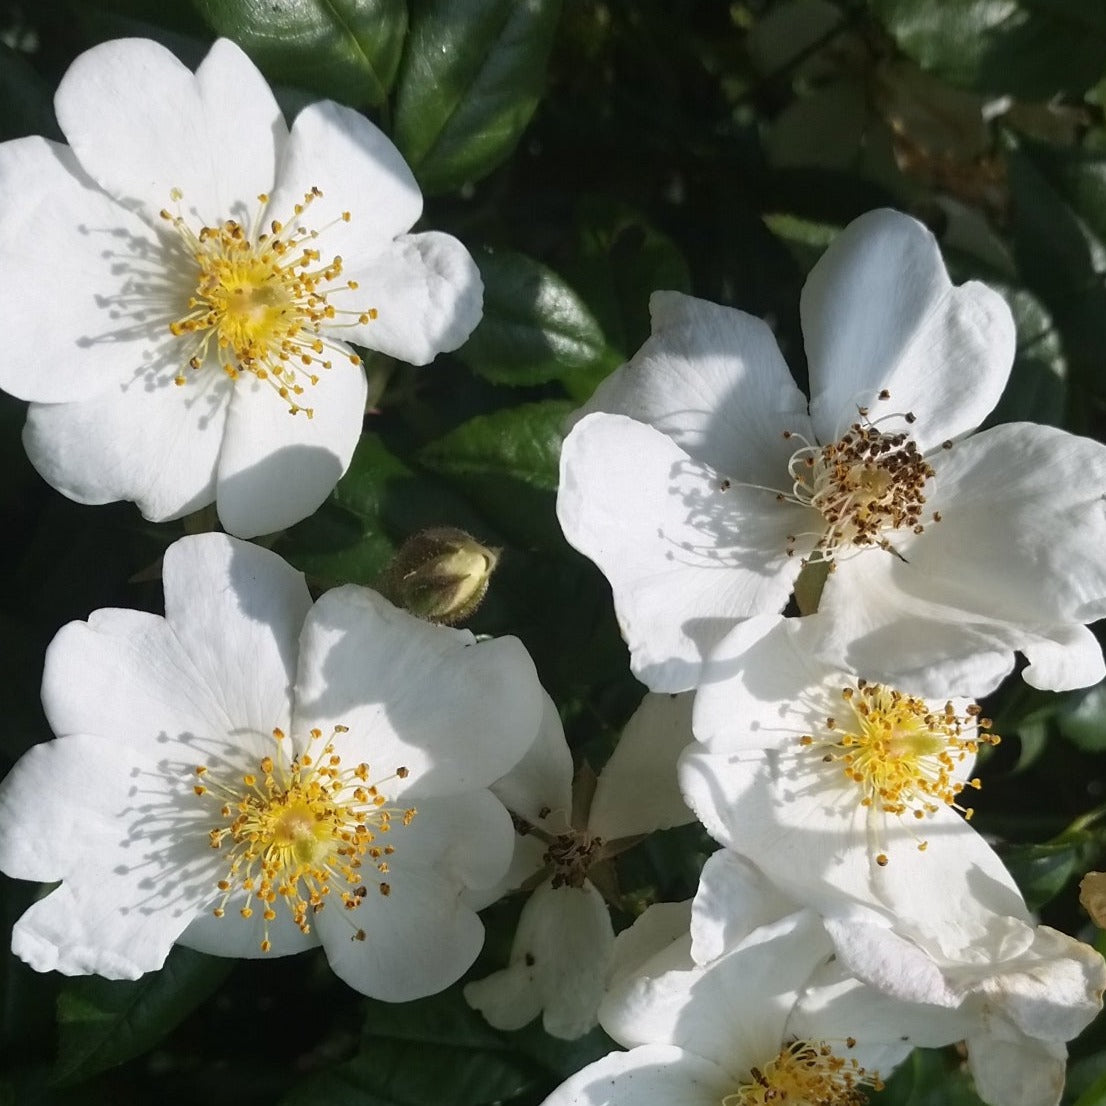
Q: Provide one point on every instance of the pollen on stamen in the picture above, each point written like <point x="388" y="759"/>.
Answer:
<point x="300" y="829"/>
<point x="901" y="753"/>
<point x="806" y="1072"/>
<point x="866" y="485"/>
<point x="262" y="301"/>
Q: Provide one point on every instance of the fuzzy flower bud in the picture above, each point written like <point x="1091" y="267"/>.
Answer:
<point x="440" y="574"/>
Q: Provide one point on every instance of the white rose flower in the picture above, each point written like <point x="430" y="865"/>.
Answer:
<point x="254" y="775"/>
<point x="187" y="275"/>
<point x="746" y="1008"/>
<point x="835" y="787"/>
<point x="701" y="481"/>
<point x="562" y="947"/>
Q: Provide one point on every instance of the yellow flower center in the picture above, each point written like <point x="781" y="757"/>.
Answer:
<point x="806" y="1073"/>
<point x="300" y="829"/>
<point x="261" y="303"/>
<point x="900" y="752"/>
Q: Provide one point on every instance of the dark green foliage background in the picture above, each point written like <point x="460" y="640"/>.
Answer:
<point x="587" y="153"/>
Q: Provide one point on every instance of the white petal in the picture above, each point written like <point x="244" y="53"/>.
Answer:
<point x="837" y="1006"/>
<point x="1069" y="658"/>
<point x="539" y="787"/>
<point x="1018" y="503"/>
<point x="879" y="312"/>
<point x="456" y="714"/>
<point x="1051" y="990"/>
<point x="732" y="1011"/>
<point x="687" y="554"/>
<point x="227" y="600"/>
<point x="870" y="623"/>
<point x="508" y="998"/>
<point x="233" y="935"/>
<point x="880" y="957"/>
<point x="653" y="1075"/>
<point x="68" y="336"/>
<point x="146" y="440"/>
<point x="467" y="838"/>
<point x="428" y="295"/>
<point x="559" y="959"/>
<point x="763" y="688"/>
<point x="133" y="677"/>
<point x="713" y="380"/>
<point x="636" y="791"/>
<point x="527" y="860"/>
<point x="123" y="836"/>
<point x="277" y="468"/>
<point x="733" y="899"/>
<point x="809" y="838"/>
<point x="124" y="675"/>
<point x="141" y="125"/>
<point x="418" y="940"/>
<point x="357" y="169"/>
<point x="658" y="941"/>
<point x="1013" y="1070"/>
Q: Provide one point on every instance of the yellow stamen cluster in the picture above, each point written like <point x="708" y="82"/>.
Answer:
<point x="900" y="752"/>
<point x="806" y="1073"/>
<point x="298" y="829"/>
<point x="866" y="485"/>
<point x="261" y="301"/>
<point x="571" y="854"/>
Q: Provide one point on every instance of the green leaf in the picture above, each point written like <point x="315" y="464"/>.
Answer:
<point x="1031" y="49"/>
<point x="1042" y="871"/>
<point x="1082" y="719"/>
<point x="535" y="328"/>
<point x="928" y="1077"/>
<point x="103" y="1022"/>
<point x="472" y="75"/>
<point x="1095" y="1094"/>
<point x="623" y="259"/>
<point x="1059" y="253"/>
<point x="28" y="100"/>
<point x="506" y="463"/>
<point x="474" y="1062"/>
<point x="347" y="50"/>
<point x="1037" y="388"/>
<point x="377" y="504"/>
<point x="522" y="443"/>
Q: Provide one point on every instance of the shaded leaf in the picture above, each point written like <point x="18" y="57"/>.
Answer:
<point x="1037" y="388"/>
<point x="928" y="1077"/>
<point x="375" y="506"/>
<point x="1042" y="871"/>
<point x="535" y="328"/>
<point x="1032" y="49"/>
<point x="103" y="1022"/>
<point x="522" y="442"/>
<point x="472" y="74"/>
<point x="347" y="50"/>
<point x="1060" y="256"/>
<point x="507" y="464"/>
<point x="622" y="260"/>
<point x="1082" y="720"/>
<point x="28" y="100"/>
<point x="472" y="1060"/>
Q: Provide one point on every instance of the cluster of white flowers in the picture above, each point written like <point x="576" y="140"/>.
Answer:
<point x="853" y="912"/>
<point x="256" y="773"/>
